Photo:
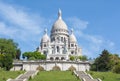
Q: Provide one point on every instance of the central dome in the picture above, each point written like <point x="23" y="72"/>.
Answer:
<point x="59" y="23"/>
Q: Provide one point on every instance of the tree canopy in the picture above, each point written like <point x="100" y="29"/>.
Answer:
<point x="8" y="51"/>
<point x="8" y="46"/>
<point x="106" y="62"/>
<point x="34" y="55"/>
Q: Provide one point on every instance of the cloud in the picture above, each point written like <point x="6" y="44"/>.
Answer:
<point x="6" y="31"/>
<point x="92" y="45"/>
<point x="76" y="23"/>
<point x="19" y="24"/>
<point x="24" y="23"/>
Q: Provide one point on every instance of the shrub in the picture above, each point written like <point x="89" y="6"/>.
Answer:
<point x="30" y="78"/>
<point x="91" y="73"/>
<point x="72" y="58"/>
<point x="4" y="78"/>
<point x="116" y="69"/>
<point x="56" y="68"/>
<point x="71" y="68"/>
<point x="32" y="58"/>
<point x="40" y="68"/>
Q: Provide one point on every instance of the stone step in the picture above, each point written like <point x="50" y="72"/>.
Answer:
<point x="17" y="80"/>
<point x="91" y="79"/>
<point x="82" y="74"/>
<point x="24" y="76"/>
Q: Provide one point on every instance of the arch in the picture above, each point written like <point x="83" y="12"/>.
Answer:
<point x="51" y="58"/>
<point x="71" y="68"/>
<point x="58" y="49"/>
<point x="56" y="68"/>
<point x="45" y="52"/>
<point x="57" y="58"/>
<point x="40" y="68"/>
<point x="62" y="58"/>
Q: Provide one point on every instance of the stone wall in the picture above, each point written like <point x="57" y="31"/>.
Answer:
<point x="48" y="65"/>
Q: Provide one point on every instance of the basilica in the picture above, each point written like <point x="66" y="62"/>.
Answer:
<point x="58" y="47"/>
<point x="61" y="44"/>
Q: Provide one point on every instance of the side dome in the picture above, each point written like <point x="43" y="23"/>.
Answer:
<point x="72" y="37"/>
<point x="45" y="37"/>
<point x="59" y="23"/>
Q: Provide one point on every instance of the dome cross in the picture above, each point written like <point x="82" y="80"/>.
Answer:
<point x="59" y="14"/>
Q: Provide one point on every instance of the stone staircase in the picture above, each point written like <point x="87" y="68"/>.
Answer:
<point x="84" y="76"/>
<point x="25" y="76"/>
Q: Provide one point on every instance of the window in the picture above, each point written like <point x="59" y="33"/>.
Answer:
<point x="72" y="52"/>
<point x="58" y="50"/>
<point x="44" y="45"/>
<point x="51" y="58"/>
<point x="57" y="38"/>
<point x="62" y="39"/>
<point x="72" y="45"/>
<point x="45" y="52"/>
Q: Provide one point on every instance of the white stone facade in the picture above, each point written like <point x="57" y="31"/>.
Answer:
<point x="48" y="65"/>
<point x="58" y="47"/>
<point x="61" y="44"/>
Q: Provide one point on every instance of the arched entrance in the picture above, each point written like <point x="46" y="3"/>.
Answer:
<point x="62" y="58"/>
<point x="57" y="58"/>
<point x="51" y="58"/>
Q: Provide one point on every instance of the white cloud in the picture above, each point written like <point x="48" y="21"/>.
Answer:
<point x="92" y="45"/>
<point x="6" y="31"/>
<point x="24" y="27"/>
<point x="76" y="23"/>
<point x="19" y="22"/>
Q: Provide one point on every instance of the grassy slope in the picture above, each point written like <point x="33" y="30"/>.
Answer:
<point x="55" y="76"/>
<point x="106" y="76"/>
<point x="4" y="75"/>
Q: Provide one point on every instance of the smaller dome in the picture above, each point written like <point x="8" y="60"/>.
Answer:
<point x="45" y="37"/>
<point x="72" y="37"/>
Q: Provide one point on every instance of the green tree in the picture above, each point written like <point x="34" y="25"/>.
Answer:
<point x="83" y="58"/>
<point x="116" y="68"/>
<point x="36" y="55"/>
<point x="72" y="58"/>
<point x="6" y="61"/>
<point x="8" y="46"/>
<point x="114" y="60"/>
<point x="18" y="53"/>
<point x="102" y="62"/>
<point x="8" y="52"/>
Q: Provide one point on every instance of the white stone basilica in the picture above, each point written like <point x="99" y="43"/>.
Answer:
<point x="61" y="43"/>
<point x="59" y="46"/>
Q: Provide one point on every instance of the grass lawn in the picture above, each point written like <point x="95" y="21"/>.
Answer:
<point x="4" y="75"/>
<point x="106" y="76"/>
<point x="55" y="76"/>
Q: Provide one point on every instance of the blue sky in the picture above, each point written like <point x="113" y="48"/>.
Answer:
<point x="96" y="23"/>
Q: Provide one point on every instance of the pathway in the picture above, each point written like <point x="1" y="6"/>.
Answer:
<point x="84" y="76"/>
<point x="25" y="76"/>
